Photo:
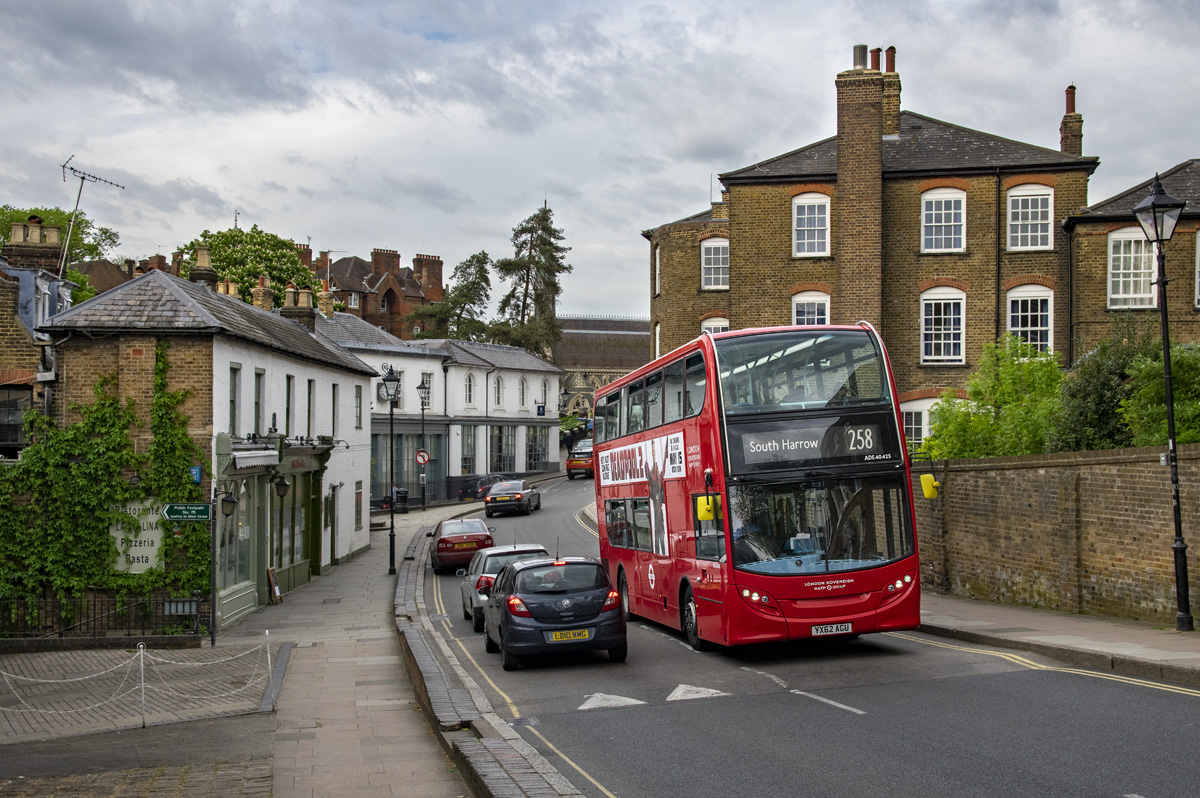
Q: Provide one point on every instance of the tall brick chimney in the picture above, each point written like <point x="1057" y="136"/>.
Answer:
<point x="33" y="245"/>
<point x="857" y="244"/>
<point x="158" y="262"/>
<point x="1070" y="132"/>
<point x="263" y="296"/>
<point x="299" y="308"/>
<point x="322" y="260"/>
<point x="891" y="96"/>
<point x="325" y="300"/>
<point x="385" y="261"/>
<point x="427" y="270"/>
<point x="305" y="253"/>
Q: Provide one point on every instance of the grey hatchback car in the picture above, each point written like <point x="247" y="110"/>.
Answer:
<point x="481" y="572"/>
<point x="545" y="606"/>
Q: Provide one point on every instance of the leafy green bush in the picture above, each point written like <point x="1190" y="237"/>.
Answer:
<point x="1144" y="410"/>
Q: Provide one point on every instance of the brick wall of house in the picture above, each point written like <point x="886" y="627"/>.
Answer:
<point x="17" y="349"/>
<point x="1079" y="532"/>
<point x="681" y="308"/>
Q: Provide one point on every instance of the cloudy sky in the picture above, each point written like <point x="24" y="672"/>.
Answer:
<point x="436" y="126"/>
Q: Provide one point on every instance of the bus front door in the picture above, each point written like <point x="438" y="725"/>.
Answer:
<point x="709" y="591"/>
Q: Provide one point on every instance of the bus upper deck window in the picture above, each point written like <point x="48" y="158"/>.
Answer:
<point x="654" y="400"/>
<point x="694" y="381"/>
<point x="673" y="391"/>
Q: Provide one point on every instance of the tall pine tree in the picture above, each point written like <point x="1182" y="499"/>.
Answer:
<point x="527" y="316"/>
<point x="460" y="313"/>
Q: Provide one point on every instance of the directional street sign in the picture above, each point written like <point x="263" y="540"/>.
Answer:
<point x="187" y="512"/>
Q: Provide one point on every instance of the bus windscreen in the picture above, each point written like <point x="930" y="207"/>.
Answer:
<point x="801" y="370"/>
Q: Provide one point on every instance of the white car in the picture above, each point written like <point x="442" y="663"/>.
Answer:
<point x="482" y="570"/>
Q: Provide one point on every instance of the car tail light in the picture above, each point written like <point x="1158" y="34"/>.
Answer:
<point x="487" y="498"/>
<point x="611" y="601"/>
<point x="517" y="607"/>
<point x="519" y="495"/>
<point x="484" y="582"/>
<point x="560" y="562"/>
<point x="486" y="543"/>
<point x="445" y="544"/>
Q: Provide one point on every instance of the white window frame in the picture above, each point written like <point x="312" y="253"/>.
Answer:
<point x="1196" y="298"/>
<point x="657" y="269"/>
<point x="711" y="270"/>
<point x="469" y="390"/>
<point x="806" y="298"/>
<point x="545" y="393"/>
<point x="383" y="304"/>
<point x="1024" y="294"/>
<point x="657" y="339"/>
<point x="498" y="391"/>
<point x="1021" y="215"/>
<point x="921" y="408"/>
<point x="931" y="338"/>
<point x="1134" y="244"/>
<point x="932" y="217"/>
<point x="352" y="300"/>
<point x="427" y="378"/>
<point x="816" y="216"/>
<point x="524" y="392"/>
<point x="714" y="324"/>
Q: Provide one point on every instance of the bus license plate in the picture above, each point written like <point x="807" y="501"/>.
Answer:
<point x="570" y="634"/>
<point x="831" y="629"/>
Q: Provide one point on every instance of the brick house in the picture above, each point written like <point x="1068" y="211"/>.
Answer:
<point x="30" y="294"/>
<point x="941" y="236"/>
<point x="270" y="398"/>
<point x="594" y="351"/>
<point x="379" y="291"/>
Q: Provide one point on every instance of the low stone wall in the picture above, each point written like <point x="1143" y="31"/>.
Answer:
<point x="1079" y="531"/>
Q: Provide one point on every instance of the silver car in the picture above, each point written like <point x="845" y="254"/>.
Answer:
<point x="482" y="570"/>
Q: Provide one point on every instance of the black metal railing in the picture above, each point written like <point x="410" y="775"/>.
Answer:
<point x="102" y="615"/>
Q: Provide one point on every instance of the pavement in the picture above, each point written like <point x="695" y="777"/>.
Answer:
<point x="362" y="697"/>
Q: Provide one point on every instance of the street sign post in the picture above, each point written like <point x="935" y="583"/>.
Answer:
<point x="422" y="457"/>
<point x="187" y="512"/>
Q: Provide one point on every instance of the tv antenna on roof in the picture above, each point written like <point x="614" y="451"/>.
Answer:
<point x="84" y="177"/>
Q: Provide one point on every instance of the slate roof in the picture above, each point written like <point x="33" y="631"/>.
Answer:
<point x="603" y="343"/>
<point x="352" y="273"/>
<point x="924" y="145"/>
<point x="477" y="355"/>
<point x="102" y="274"/>
<point x="159" y="302"/>
<point x="1181" y="181"/>
<point x="351" y="332"/>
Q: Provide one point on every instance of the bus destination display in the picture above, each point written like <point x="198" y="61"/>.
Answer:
<point x="794" y="443"/>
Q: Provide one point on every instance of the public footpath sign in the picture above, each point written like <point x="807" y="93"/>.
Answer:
<point x="187" y="512"/>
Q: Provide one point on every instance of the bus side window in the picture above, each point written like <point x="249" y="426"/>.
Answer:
<point x="673" y="391"/>
<point x="617" y="521"/>
<point x="694" y="380"/>
<point x="637" y="407"/>
<point x="710" y="535"/>
<point x="641" y="524"/>
<point x="654" y="397"/>
<point x="612" y="416"/>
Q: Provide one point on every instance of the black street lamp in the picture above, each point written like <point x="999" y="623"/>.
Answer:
<point x="423" y="392"/>
<point x="391" y="384"/>
<point x="1157" y="215"/>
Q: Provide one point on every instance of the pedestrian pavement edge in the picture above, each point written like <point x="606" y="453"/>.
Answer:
<point x="493" y="758"/>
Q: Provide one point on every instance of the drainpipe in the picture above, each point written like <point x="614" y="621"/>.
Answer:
<point x="1069" y="234"/>
<point x="999" y="232"/>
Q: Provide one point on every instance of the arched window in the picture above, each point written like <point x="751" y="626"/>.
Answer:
<point x="714" y="264"/>
<point x="810" y="225"/>
<point x="1030" y="217"/>
<point x="545" y="393"/>
<point x="524" y="392"/>
<point x="942" y="312"/>
<point x="1031" y="315"/>
<point x="943" y="220"/>
<point x="498" y="391"/>
<point x="469" y="389"/>
<point x="810" y="307"/>
<point x="1131" y="269"/>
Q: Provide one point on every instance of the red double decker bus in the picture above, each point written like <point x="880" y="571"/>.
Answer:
<point x="755" y="486"/>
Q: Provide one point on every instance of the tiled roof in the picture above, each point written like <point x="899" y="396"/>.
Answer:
<point x="470" y="353"/>
<point x="355" y="274"/>
<point x="603" y="343"/>
<point x="924" y="144"/>
<point x="1181" y="182"/>
<point x="158" y="302"/>
<point x="351" y="332"/>
<point x="102" y="274"/>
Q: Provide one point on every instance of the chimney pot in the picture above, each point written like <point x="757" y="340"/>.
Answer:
<point x="875" y="57"/>
<point x="891" y="59"/>
<point x="860" y="56"/>
<point x="1070" y="99"/>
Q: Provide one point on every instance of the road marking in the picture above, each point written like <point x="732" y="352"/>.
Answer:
<point x="579" y="520"/>
<point x="1031" y="665"/>
<point x="775" y="679"/>
<point x="829" y="702"/>
<point x="605" y="701"/>
<point x="568" y="760"/>
<point x="685" y="692"/>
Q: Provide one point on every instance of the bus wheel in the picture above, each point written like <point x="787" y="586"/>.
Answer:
<point x="691" y="622"/>
<point x="623" y="589"/>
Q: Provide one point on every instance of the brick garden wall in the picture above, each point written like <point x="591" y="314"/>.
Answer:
<point x="1079" y="532"/>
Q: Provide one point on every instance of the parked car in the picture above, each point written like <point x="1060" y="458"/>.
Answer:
<point x="516" y="495"/>
<point x="579" y="460"/>
<point x="456" y="540"/>
<point x="476" y="489"/>
<point x="481" y="573"/>
<point x="543" y="606"/>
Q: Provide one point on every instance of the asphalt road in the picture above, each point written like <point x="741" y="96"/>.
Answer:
<point x="882" y="715"/>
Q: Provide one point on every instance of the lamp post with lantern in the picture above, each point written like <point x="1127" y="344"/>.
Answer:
<point x="423" y="392"/>
<point x="391" y="384"/>
<point x="1158" y="214"/>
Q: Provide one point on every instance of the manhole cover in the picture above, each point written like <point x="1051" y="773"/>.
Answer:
<point x="359" y="628"/>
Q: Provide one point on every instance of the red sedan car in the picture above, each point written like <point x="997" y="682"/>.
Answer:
<point x="455" y="542"/>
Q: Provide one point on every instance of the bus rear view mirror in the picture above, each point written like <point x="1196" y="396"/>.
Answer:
<point x="929" y="486"/>
<point x="707" y="507"/>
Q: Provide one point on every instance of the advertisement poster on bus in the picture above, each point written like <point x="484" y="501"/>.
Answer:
<point x="653" y="462"/>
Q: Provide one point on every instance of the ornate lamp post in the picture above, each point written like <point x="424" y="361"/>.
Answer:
<point x="1157" y="215"/>
<point x="391" y="384"/>
<point x="423" y="392"/>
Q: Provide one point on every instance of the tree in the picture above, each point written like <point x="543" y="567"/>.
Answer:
<point x="85" y="291"/>
<point x="460" y="313"/>
<point x="242" y="256"/>
<point x="526" y="312"/>
<point x="88" y="241"/>
<point x="1144" y="411"/>
<point x="1012" y="405"/>
<point x="1097" y="384"/>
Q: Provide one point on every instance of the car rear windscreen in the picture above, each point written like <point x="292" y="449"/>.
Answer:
<point x="569" y="578"/>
